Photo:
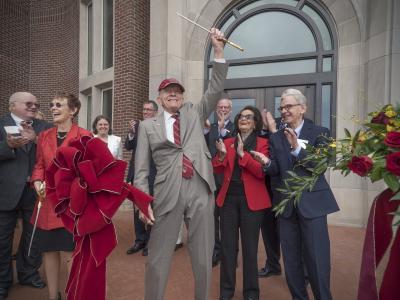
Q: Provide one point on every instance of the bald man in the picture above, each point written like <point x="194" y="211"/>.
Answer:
<point x="18" y="135"/>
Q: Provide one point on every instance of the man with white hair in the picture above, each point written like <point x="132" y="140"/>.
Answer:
<point x="303" y="228"/>
<point x="18" y="135"/>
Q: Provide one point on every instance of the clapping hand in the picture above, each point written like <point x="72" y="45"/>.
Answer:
<point x="132" y="126"/>
<point x="260" y="157"/>
<point x="291" y="137"/>
<point x="268" y="121"/>
<point x="219" y="144"/>
<point x="221" y="119"/>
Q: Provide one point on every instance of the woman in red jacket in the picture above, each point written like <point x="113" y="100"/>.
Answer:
<point x="242" y="200"/>
<point x="52" y="237"/>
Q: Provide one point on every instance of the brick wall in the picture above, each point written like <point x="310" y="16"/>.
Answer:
<point x="39" y="49"/>
<point x="14" y="49"/>
<point x="54" y="49"/>
<point x="131" y="62"/>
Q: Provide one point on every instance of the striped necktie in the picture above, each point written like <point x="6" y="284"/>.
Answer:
<point x="187" y="169"/>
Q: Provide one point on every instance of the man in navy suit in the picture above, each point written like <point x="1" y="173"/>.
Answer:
<point x="142" y="233"/>
<point x="221" y="129"/>
<point x="303" y="228"/>
<point x="17" y="158"/>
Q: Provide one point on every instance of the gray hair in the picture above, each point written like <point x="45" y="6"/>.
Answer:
<point x="19" y="95"/>
<point x="300" y="98"/>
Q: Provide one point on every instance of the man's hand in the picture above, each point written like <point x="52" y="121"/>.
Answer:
<point x="27" y="131"/>
<point x="260" y="157"/>
<point x="239" y="149"/>
<point x="145" y="220"/>
<point x="217" y="41"/>
<point x="291" y="137"/>
<point x="132" y="126"/>
<point x="16" y="141"/>
<point x="268" y="121"/>
<point x="221" y="119"/>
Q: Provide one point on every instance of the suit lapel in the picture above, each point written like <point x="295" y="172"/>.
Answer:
<point x="183" y="117"/>
<point x="306" y="131"/>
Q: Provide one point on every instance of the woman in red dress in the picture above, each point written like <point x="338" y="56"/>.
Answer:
<point x="52" y="236"/>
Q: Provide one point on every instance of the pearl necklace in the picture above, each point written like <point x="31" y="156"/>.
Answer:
<point x="61" y="137"/>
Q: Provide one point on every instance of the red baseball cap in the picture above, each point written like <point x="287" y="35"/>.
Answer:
<point x="169" y="81"/>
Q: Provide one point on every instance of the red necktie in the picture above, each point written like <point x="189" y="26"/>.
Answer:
<point x="187" y="170"/>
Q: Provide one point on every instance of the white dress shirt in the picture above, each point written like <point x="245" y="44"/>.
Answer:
<point x="169" y="126"/>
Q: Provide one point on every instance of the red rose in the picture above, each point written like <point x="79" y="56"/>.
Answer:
<point x="360" y="165"/>
<point x="393" y="163"/>
<point x="392" y="139"/>
<point x="381" y="118"/>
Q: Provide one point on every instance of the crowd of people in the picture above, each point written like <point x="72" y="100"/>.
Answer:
<point x="218" y="180"/>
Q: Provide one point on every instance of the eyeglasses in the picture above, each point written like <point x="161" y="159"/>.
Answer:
<point x="287" y="107"/>
<point x="30" y="104"/>
<point x="147" y="109"/>
<point x="57" y="104"/>
<point x="223" y="107"/>
<point x="246" y="117"/>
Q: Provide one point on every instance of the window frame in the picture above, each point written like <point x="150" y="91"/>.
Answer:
<point x="319" y="78"/>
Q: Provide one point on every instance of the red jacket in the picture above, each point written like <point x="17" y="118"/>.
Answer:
<point x="45" y="152"/>
<point x="252" y="175"/>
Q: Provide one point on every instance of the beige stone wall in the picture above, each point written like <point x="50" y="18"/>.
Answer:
<point x="368" y="70"/>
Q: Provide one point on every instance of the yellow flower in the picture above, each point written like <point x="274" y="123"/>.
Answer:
<point x="389" y="128"/>
<point x="332" y="145"/>
<point x="390" y="113"/>
<point x="396" y="123"/>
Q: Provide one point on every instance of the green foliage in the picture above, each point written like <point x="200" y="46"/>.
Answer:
<point x="369" y="142"/>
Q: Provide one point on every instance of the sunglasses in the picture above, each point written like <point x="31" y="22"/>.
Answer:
<point x="287" y="107"/>
<point x="246" y="117"/>
<point x="30" y="104"/>
<point x="57" y="104"/>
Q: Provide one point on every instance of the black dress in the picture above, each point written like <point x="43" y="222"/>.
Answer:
<point x="58" y="239"/>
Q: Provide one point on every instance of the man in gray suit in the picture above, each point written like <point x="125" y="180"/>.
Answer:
<point x="17" y="158"/>
<point x="184" y="184"/>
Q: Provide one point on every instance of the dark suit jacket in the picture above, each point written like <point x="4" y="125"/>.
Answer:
<point x="257" y="196"/>
<point x="15" y="164"/>
<point x="320" y="201"/>
<point x="131" y="145"/>
<point x="213" y="135"/>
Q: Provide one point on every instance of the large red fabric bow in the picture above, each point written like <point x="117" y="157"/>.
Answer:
<point x="86" y="186"/>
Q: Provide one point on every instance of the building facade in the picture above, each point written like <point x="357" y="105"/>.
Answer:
<point x="343" y="54"/>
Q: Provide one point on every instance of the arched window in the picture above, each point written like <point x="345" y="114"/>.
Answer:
<point x="288" y="43"/>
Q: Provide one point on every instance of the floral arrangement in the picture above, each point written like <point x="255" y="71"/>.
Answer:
<point x="372" y="152"/>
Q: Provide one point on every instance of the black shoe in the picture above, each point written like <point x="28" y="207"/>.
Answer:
<point x="216" y="258"/>
<point x="265" y="272"/>
<point x="135" y="248"/>
<point x="145" y="251"/>
<point x="37" y="283"/>
<point x="3" y="293"/>
<point x="178" y="246"/>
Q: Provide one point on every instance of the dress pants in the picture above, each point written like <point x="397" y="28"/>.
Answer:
<point x="236" y="215"/>
<point x="306" y="240"/>
<point x="196" y="205"/>
<point x="142" y="233"/>
<point x="270" y="235"/>
<point x="27" y="267"/>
